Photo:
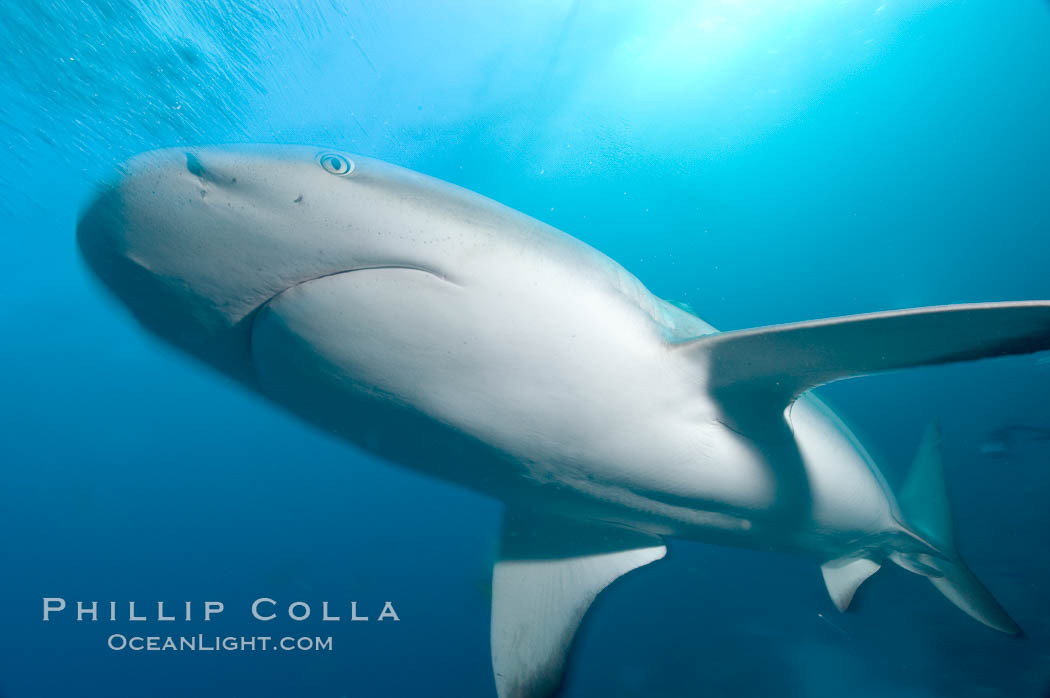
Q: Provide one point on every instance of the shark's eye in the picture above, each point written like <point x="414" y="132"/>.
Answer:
<point x="336" y="164"/>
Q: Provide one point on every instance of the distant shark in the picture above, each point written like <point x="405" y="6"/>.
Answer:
<point x="1001" y="441"/>
<point x="465" y="340"/>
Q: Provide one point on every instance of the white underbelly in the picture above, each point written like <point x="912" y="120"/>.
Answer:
<point x="573" y="384"/>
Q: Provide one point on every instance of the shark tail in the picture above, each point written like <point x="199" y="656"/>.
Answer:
<point x="924" y="504"/>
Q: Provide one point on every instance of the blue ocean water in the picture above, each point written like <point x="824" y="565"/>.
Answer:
<point x="762" y="162"/>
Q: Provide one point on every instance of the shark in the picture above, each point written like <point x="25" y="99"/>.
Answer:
<point x="444" y="332"/>
<point x="1003" y="441"/>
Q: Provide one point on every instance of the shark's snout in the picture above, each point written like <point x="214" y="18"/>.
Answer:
<point x="194" y="240"/>
<point x="137" y="186"/>
<point x="167" y="253"/>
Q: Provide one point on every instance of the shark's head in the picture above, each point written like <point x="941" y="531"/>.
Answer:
<point x="194" y="241"/>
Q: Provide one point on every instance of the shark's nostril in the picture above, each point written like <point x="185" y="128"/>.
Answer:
<point x="194" y="166"/>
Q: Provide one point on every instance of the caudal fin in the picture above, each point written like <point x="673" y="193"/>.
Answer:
<point x="924" y="503"/>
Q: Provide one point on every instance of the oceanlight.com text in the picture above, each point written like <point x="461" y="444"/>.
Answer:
<point x="215" y="643"/>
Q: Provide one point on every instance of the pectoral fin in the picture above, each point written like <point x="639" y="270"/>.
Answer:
<point x="784" y="361"/>
<point x="549" y="573"/>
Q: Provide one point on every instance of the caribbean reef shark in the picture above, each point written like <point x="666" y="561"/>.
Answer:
<point x="450" y="334"/>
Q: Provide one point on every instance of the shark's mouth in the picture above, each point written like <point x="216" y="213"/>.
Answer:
<point x="321" y="322"/>
<point x="250" y="317"/>
<point x="367" y="267"/>
<point x="363" y="329"/>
